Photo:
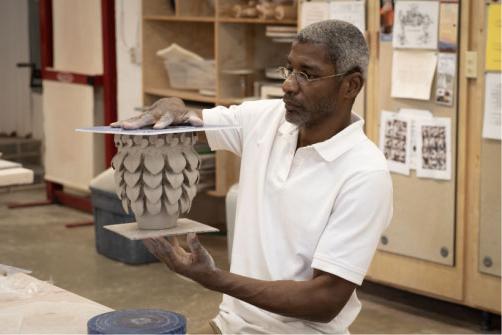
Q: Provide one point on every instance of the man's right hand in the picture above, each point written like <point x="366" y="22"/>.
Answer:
<point x="163" y="113"/>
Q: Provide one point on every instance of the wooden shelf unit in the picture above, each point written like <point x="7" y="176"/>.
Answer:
<point x="206" y="28"/>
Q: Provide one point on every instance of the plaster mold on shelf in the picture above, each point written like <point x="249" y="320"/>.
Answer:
<point x="156" y="177"/>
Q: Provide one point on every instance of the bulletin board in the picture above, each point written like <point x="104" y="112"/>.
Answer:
<point x="489" y="233"/>
<point x="490" y="157"/>
<point x="423" y="224"/>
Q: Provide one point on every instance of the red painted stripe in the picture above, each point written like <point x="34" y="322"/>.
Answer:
<point x="109" y="73"/>
<point x="72" y="78"/>
<point x="74" y="201"/>
<point x="46" y="44"/>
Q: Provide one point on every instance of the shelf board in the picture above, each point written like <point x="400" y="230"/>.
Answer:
<point x="255" y="21"/>
<point x="178" y="18"/>
<point x="229" y="101"/>
<point x="187" y="95"/>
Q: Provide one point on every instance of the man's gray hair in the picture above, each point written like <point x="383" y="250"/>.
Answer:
<point x="346" y="45"/>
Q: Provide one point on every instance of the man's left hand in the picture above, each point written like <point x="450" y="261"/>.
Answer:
<point x="196" y="264"/>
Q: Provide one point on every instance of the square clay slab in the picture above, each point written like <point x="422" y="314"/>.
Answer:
<point x="132" y="232"/>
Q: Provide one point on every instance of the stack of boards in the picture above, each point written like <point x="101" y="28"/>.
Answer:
<point x="12" y="173"/>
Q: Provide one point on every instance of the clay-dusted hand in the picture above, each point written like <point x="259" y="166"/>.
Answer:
<point x="164" y="112"/>
<point x="196" y="264"/>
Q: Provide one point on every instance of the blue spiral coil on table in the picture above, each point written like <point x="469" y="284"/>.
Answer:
<point x="137" y="321"/>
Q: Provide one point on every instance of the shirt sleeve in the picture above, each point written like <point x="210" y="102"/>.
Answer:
<point x="361" y="213"/>
<point x="228" y="139"/>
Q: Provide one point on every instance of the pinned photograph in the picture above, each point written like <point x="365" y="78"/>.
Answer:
<point x="416" y="25"/>
<point x="434" y="146"/>
<point x="395" y="139"/>
<point x="386" y="19"/>
<point x="445" y="79"/>
<point x="448" y="26"/>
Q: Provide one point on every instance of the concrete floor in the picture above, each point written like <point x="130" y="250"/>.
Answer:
<point x="36" y="239"/>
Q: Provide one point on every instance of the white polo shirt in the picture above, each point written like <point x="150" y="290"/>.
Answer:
<point x="323" y="206"/>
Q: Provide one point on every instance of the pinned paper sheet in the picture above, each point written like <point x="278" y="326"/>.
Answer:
<point x="446" y="78"/>
<point x="350" y="11"/>
<point x="412" y="74"/>
<point x="493" y="107"/>
<point x="416" y="24"/>
<point x="434" y="148"/>
<point x="312" y="12"/>
<point x="493" y="42"/>
<point x="395" y="141"/>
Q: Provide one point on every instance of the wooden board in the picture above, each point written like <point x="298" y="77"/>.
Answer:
<point x="16" y="176"/>
<point x="8" y="164"/>
<point x="132" y="232"/>
<point x="423" y="224"/>
<point x="77" y="36"/>
<point x="72" y="158"/>
<point x="489" y="230"/>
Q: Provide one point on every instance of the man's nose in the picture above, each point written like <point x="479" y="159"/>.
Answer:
<point x="290" y="85"/>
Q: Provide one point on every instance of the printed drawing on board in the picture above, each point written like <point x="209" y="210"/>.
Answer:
<point x="416" y="25"/>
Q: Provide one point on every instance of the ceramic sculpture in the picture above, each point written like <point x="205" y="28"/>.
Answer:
<point x="156" y="177"/>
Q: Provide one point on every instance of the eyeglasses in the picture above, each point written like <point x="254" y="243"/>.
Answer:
<point x="302" y="77"/>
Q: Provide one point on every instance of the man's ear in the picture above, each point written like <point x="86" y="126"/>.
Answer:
<point x="352" y="85"/>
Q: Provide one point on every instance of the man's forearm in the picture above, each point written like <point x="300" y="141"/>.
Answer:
<point x="313" y="300"/>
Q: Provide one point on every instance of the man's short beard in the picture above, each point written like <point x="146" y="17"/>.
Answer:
<point x="306" y="118"/>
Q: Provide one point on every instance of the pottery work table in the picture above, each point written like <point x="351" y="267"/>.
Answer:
<point x="28" y="305"/>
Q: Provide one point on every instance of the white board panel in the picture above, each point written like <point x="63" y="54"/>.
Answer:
<point x="15" y="107"/>
<point x="423" y="225"/>
<point x="77" y="36"/>
<point x="72" y="158"/>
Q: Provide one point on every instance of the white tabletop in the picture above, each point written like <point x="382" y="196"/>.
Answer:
<point x="28" y="305"/>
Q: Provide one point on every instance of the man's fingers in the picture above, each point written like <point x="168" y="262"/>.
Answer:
<point x="170" y="253"/>
<point x="193" y="243"/>
<point x="116" y="124"/>
<point x="174" y="241"/>
<point x="149" y="246"/>
<point x="140" y="121"/>
<point x="158" y="250"/>
<point x="164" y="121"/>
<point x="194" y="120"/>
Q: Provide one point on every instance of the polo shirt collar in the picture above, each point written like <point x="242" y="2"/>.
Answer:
<point x="335" y="146"/>
<point x="345" y="140"/>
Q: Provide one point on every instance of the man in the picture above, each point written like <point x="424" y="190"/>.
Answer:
<point x="314" y="194"/>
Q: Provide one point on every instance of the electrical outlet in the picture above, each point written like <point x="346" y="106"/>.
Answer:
<point x="471" y="64"/>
